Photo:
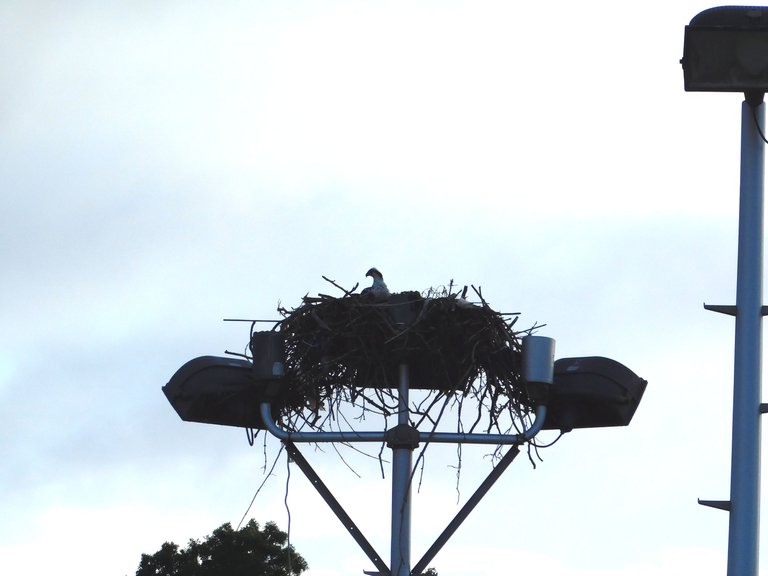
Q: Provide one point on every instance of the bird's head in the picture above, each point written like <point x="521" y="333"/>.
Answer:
<point x="374" y="273"/>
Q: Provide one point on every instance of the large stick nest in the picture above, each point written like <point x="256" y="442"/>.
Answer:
<point x="347" y="351"/>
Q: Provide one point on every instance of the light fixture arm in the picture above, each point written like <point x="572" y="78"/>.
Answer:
<point x="439" y="437"/>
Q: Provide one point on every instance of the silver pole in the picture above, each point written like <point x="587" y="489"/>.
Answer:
<point x="744" y="520"/>
<point x="401" y="488"/>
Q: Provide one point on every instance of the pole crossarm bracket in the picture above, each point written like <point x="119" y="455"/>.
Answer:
<point x="731" y="310"/>
<point x="726" y="309"/>
<point x="718" y="504"/>
<point x="440" y="437"/>
<point x="403" y="436"/>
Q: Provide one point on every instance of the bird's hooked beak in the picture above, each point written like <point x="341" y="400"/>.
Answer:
<point x="373" y="273"/>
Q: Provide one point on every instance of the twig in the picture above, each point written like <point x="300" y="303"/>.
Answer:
<point x="237" y="354"/>
<point x="346" y="292"/>
<point x="248" y="320"/>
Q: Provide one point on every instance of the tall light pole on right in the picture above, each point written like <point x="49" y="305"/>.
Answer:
<point x="726" y="50"/>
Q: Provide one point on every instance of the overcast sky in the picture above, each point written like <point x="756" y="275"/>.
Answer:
<point x="165" y="165"/>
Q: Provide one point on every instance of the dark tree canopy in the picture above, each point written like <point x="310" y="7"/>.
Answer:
<point x="227" y="552"/>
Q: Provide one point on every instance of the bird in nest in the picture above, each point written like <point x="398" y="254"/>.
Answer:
<point x="378" y="290"/>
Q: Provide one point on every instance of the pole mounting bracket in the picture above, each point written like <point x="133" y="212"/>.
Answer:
<point x="403" y="436"/>
<point x="721" y="308"/>
<point x="731" y="310"/>
<point x="719" y="504"/>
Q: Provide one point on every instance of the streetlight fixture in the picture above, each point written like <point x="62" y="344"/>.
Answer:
<point x="726" y="50"/>
<point x="214" y="390"/>
<point x="229" y="391"/>
<point x="592" y="392"/>
<point x="582" y="393"/>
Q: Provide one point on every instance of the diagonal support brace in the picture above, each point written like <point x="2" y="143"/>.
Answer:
<point x="466" y="509"/>
<point x="334" y="505"/>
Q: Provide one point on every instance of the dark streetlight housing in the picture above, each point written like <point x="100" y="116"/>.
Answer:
<point x="592" y="392"/>
<point x="726" y="50"/>
<point x="228" y="391"/>
<point x="214" y="390"/>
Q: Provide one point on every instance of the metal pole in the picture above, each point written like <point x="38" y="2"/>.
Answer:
<point x="744" y="521"/>
<point x="401" y="488"/>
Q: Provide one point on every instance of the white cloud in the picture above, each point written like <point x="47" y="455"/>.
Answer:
<point x="168" y="166"/>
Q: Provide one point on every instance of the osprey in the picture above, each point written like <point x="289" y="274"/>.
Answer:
<point x="378" y="289"/>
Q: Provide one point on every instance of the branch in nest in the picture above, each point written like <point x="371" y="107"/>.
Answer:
<point x="346" y="292"/>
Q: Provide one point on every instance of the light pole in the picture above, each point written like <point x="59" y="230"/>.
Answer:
<point x="726" y="50"/>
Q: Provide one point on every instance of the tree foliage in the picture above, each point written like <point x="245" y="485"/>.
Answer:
<point x="227" y="552"/>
